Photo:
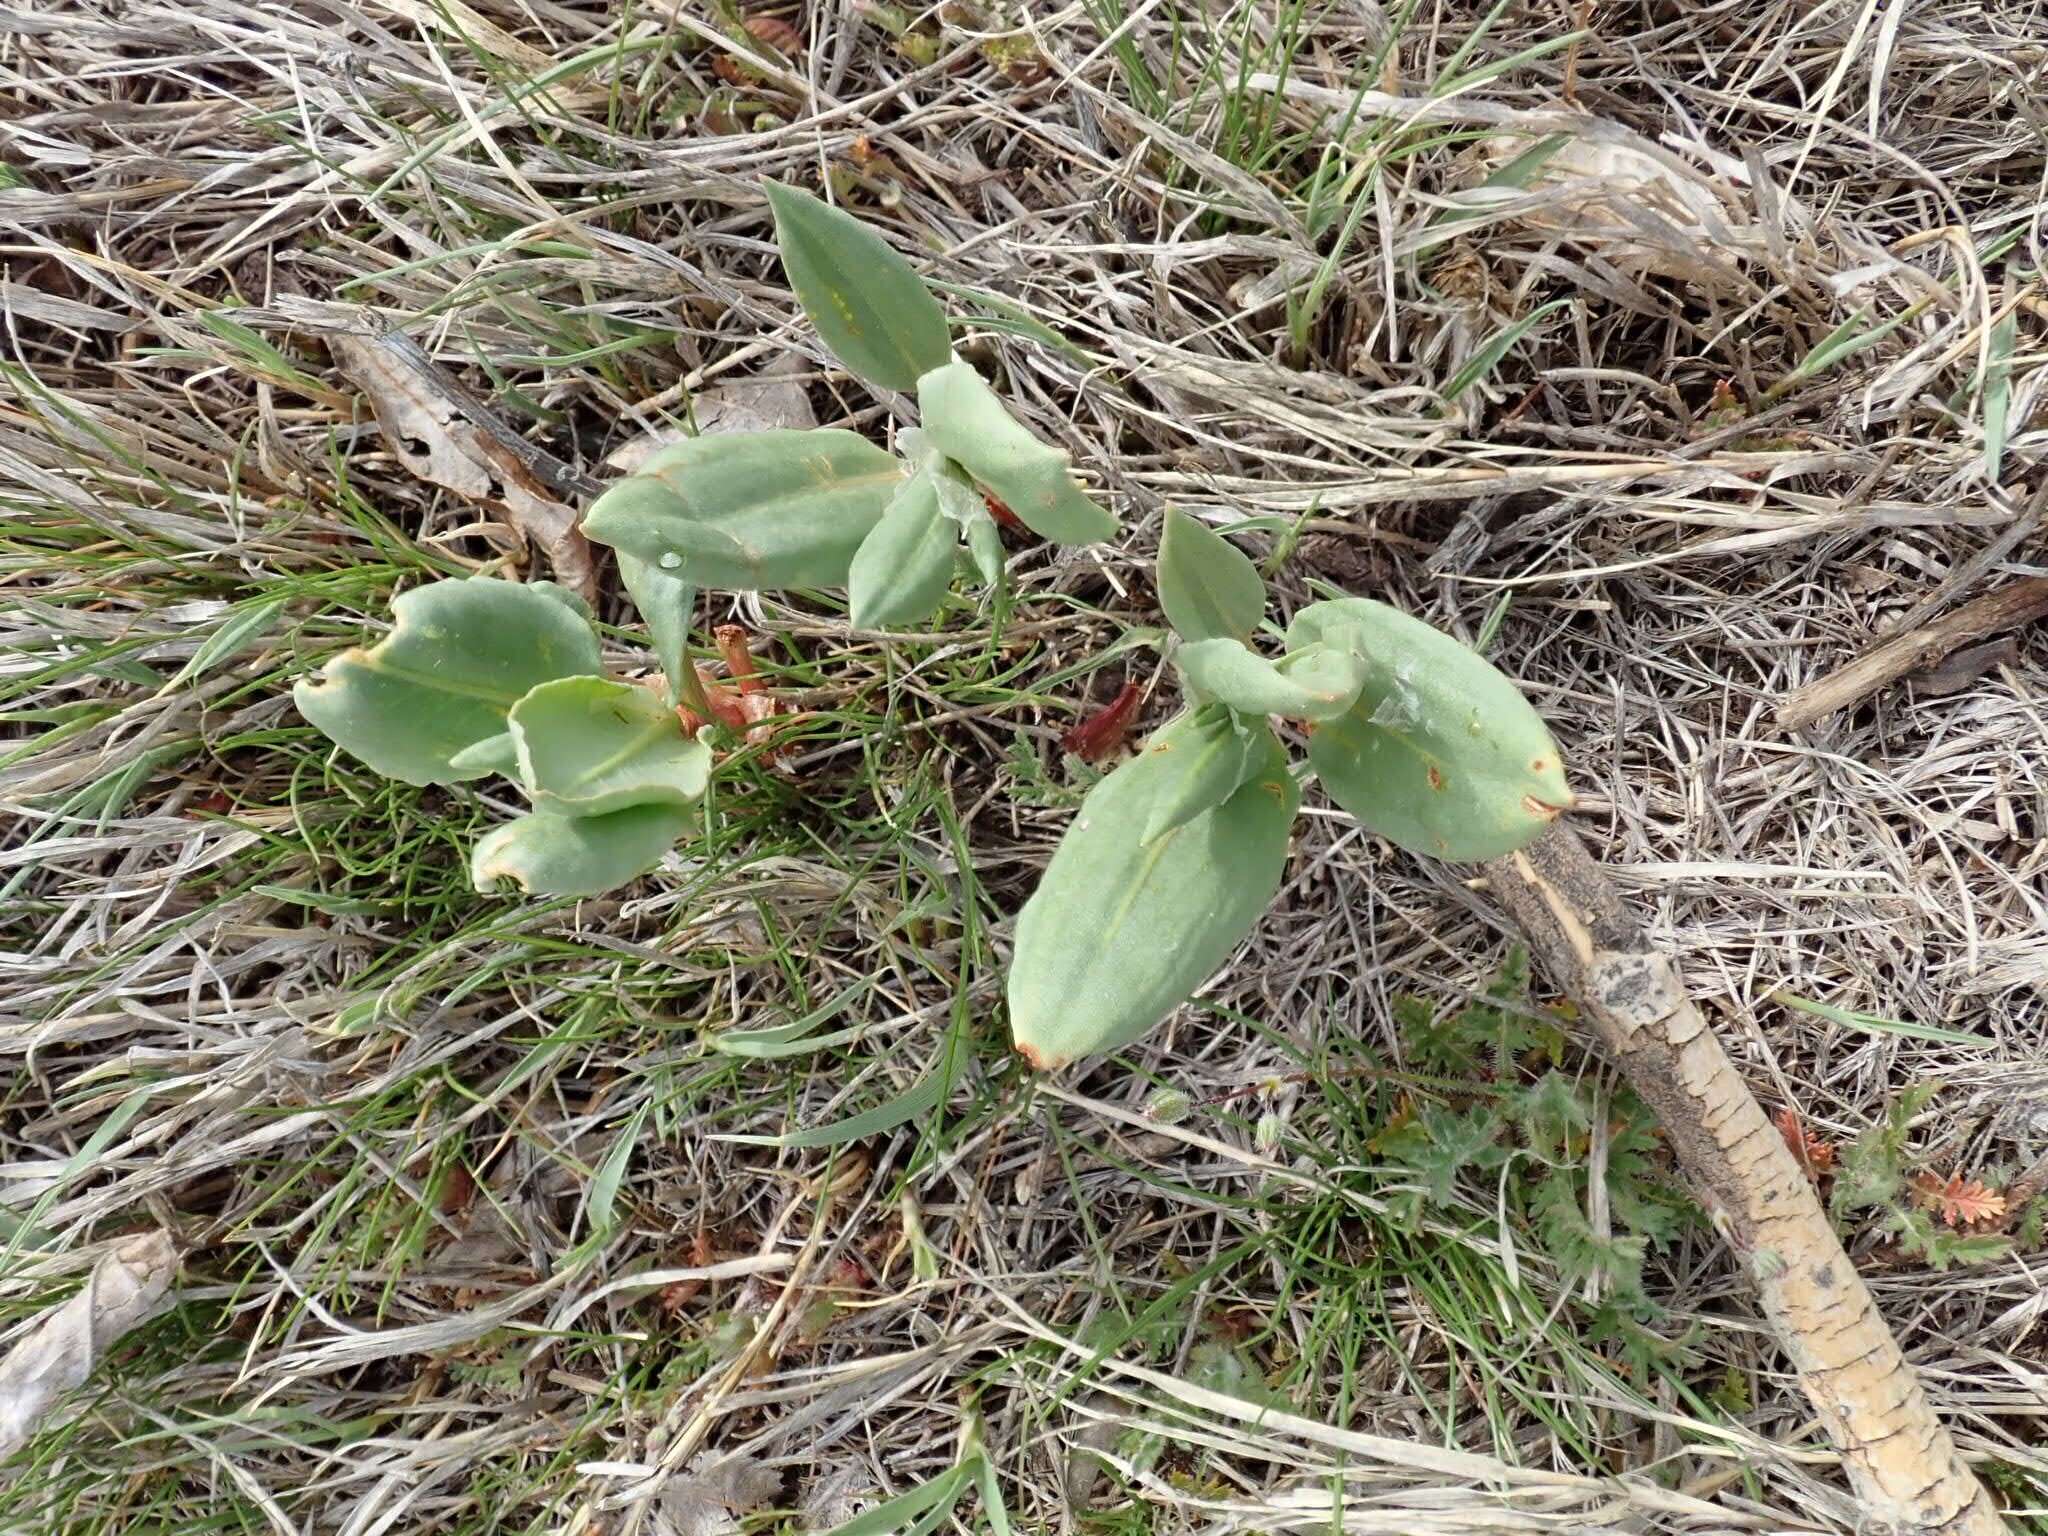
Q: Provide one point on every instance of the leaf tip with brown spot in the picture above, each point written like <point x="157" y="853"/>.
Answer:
<point x="1037" y="1059"/>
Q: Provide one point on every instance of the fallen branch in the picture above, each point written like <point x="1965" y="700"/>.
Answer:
<point x="1892" y="658"/>
<point x="1900" y="1459"/>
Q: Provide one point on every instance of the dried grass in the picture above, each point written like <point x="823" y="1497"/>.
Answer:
<point x="257" y="977"/>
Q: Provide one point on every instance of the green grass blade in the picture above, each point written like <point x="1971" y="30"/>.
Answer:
<point x="907" y="1511"/>
<point x="925" y="1094"/>
<point x="1877" y="1024"/>
<point x="1853" y="335"/>
<point x="1488" y="357"/>
<point x="795" y="1037"/>
<point x="229" y="640"/>
<point x="611" y="1173"/>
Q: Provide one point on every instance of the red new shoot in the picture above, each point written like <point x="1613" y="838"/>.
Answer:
<point x="1101" y="733"/>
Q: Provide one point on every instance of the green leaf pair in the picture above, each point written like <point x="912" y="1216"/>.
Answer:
<point x="1172" y="858"/>
<point x="1417" y="736"/>
<point x="826" y="508"/>
<point x="1123" y="928"/>
<point x="1439" y="752"/>
<point x="485" y="676"/>
<point x="904" y="567"/>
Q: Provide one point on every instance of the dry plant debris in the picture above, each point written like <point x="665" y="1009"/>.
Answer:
<point x="1815" y="1154"/>
<point x="1676" y="442"/>
<point x="443" y="435"/>
<point x="60" y="1349"/>
<point x="1959" y="1201"/>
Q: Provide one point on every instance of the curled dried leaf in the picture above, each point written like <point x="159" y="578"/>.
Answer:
<point x="61" y="1350"/>
<point x="736" y="72"/>
<point x="776" y="33"/>
<point x="441" y="431"/>
<point x="1640" y="206"/>
<point x="1814" y="1155"/>
<point x="1102" y="732"/>
<point x="739" y="658"/>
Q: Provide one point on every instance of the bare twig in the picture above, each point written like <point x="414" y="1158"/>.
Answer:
<point x="2009" y="607"/>
<point x="1899" y="1457"/>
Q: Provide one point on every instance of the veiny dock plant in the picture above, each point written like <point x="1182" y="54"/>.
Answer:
<point x="483" y="676"/>
<point x="1173" y="857"/>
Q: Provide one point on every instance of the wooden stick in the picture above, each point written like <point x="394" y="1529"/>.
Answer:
<point x="1892" y="658"/>
<point x="1964" y="573"/>
<point x="1900" y="1459"/>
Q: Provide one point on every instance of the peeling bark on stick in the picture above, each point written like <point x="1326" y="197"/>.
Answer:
<point x="2009" y="607"/>
<point x="1900" y="1459"/>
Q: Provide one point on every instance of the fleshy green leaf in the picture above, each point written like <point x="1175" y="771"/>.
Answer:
<point x="494" y="754"/>
<point x="1207" y="755"/>
<point x="869" y="305"/>
<point x="588" y="745"/>
<point x="902" y="569"/>
<point x="1316" y="682"/>
<point x="1121" y="931"/>
<point x="1440" y="753"/>
<point x="960" y="501"/>
<point x="985" y="543"/>
<point x="459" y="656"/>
<point x="1208" y="588"/>
<point x="969" y="424"/>
<point x="750" y="510"/>
<point x="549" y="855"/>
<point x="665" y="601"/>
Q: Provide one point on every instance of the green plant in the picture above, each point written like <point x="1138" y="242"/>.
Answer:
<point x="1927" y="1216"/>
<point x="826" y="508"/>
<point x="1513" y="1134"/>
<point x="1173" y="857"/>
<point x="483" y="676"/>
